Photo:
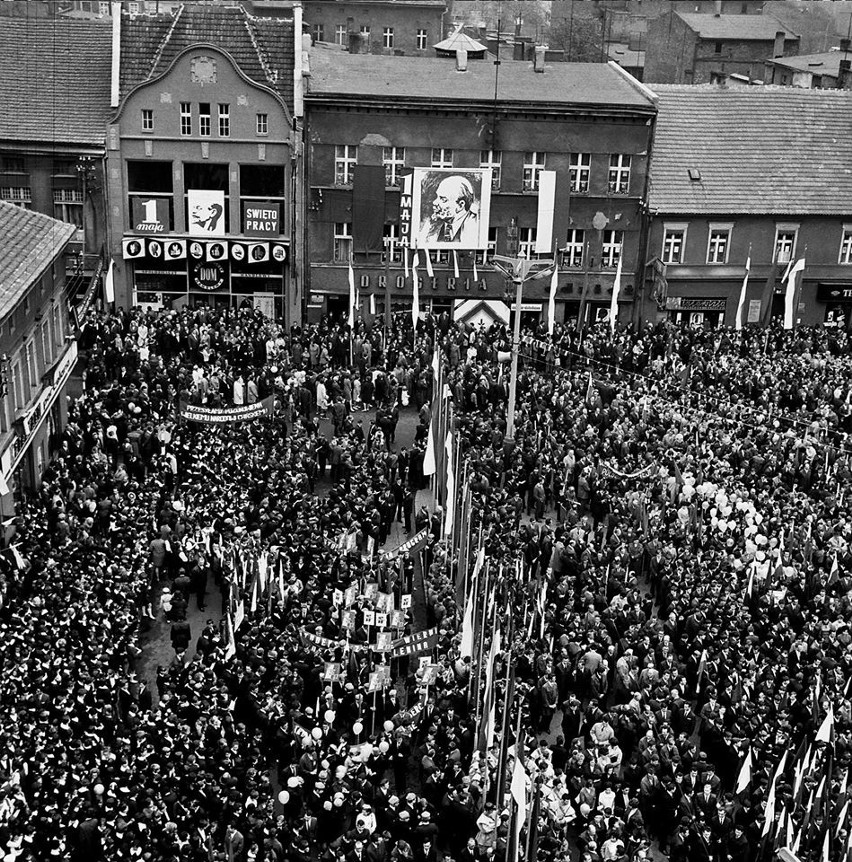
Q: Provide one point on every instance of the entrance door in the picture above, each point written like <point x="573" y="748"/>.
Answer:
<point x="337" y="307"/>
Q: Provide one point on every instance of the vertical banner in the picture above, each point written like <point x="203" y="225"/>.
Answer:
<point x="368" y="208"/>
<point x="546" y="209"/>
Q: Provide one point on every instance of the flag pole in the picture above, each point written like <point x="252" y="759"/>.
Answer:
<point x="508" y="697"/>
<point x="481" y="647"/>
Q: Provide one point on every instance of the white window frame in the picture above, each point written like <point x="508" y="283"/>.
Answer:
<point x="63" y="202"/>
<point x="46" y="344"/>
<point x="224" y="119"/>
<point x="845" y="256"/>
<point x="318" y="32"/>
<point x="262" y="124"/>
<point x="580" y="172"/>
<point x="422" y="39"/>
<point x="345" y="159"/>
<point x="17" y="383"/>
<point x="620" y="165"/>
<point x="492" y="159"/>
<point x="442" y="157"/>
<point x="527" y="237"/>
<point x="21" y="196"/>
<point x="387" y="37"/>
<point x="342" y="234"/>
<point x="534" y="163"/>
<point x="58" y="330"/>
<point x="611" y="248"/>
<point x="341" y="34"/>
<point x="205" y="120"/>
<point x="186" y="119"/>
<point x="574" y="253"/>
<point x="391" y="240"/>
<point x="670" y="230"/>
<point x="393" y="158"/>
<point x="785" y="228"/>
<point x="726" y="228"/>
<point x="31" y="360"/>
<point x="491" y="245"/>
<point x="147" y="119"/>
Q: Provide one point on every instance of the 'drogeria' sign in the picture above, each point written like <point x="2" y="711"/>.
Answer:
<point x="261" y="219"/>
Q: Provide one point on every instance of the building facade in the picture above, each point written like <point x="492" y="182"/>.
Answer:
<point x="37" y="353"/>
<point x="370" y="122"/>
<point x="827" y="70"/>
<point x="56" y="72"/>
<point x="202" y="171"/>
<point x="714" y="204"/>
<point x="691" y="48"/>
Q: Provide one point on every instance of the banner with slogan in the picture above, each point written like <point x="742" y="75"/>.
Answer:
<point x="408" y="545"/>
<point x="417" y="642"/>
<point x="218" y="415"/>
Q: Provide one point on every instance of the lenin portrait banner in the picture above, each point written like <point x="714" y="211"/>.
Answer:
<point x="451" y="208"/>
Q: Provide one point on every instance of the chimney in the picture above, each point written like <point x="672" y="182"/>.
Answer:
<point x="844" y="75"/>
<point x="538" y="63"/>
<point x="778" y="49"/>
<point x="718" y="13"/>
<point x="844" y="45"/>
<point x="461" y="59"/>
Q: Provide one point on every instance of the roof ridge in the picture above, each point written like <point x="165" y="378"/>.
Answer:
<point x="261" y="56"/>
<point x="166" y="39"/>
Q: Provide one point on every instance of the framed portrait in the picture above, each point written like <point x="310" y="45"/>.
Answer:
<point x="206" y="212"/>
<point x="451" y="208"/>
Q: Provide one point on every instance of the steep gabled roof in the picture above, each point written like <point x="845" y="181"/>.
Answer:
<point x="759" y="28"/>
<point x="756" y="150"/>
<point x="54" y="80"/>
<point x="30" y="240"/>
<point x="263" y="48"/>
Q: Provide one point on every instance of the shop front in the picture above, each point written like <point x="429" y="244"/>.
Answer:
<point x="836" y="300"/>
<point x="706" y="312"/>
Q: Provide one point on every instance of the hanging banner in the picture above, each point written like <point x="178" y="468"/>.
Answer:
<point x="408" y="545"/>
<point x="206" y="212"/>
<point x="132" y="248"/>
<point x="218" y="415"/>
<point x="150" y="215"/>
<point x="258" y="252"/>
<point x="261" y="219"/>
<point x="175" y="249"/>
<point x="217" y="251"/>
<point x="452" y="207"/>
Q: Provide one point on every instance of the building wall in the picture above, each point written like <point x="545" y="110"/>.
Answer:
<point x="37" y="358"/>
<point x="669" y="51"/>
<point x="178" y="155"/>
<point x="736" y="57"/>
<point x="323" y="20"/>
<point x="462" y="132"/>
<point x="818" y="240"/>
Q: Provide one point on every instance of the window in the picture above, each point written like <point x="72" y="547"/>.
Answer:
<point x="204" y="119"/>
<point x="421" y="40"/>
<point x="611" y="250"/>
<point x="224" y="121"/>
<point x="526" y="245"/>
<point x="46" y="345"/>
<point x="674" y="240"/>
<point x="785" y="242"/>
<point x="32" y="364"/>
<point x="341" y="34"/>
<point x="68" y="206"/>
<point x="186" y="119"/>
<point x="58" y="328"/>
<point x="345" y="159"/>
<point x="147" y="119"/>
<point x="65" y="168"/>
<point x="572" y="254"/>
<point x="846" y="245"/>
<point x="580" y="169"/>
<point x="365" y="32"/>
<point x="492" y="159"/>
<point x="263" y="124"/>
<point x="318" y="33"/>
<point x="13" y="165"/>
<point x="342" y="241"/>
<point x="491" y="248"/>
<point x="441" y="157"/>
<point x="104" y="9"/>
<point x="391" y="243"/>
<point x="21" y="196"/>
<point x="387" y="37"/>
<point x="393" y="158"/>
<point x="533" y="165"/>
<point x="19" y="399"/>
<point x="619" y="174"/>
<point x="718" y="243"/>
<point x="717" y="48"/>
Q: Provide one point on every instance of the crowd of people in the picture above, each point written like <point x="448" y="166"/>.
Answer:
<point x="665" y="540"/>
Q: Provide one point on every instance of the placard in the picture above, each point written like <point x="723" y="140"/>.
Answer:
<point x="206" y="209"/>
<point x="405" y="604"/>
<point x="754" y="311"/>
<point x="369" y="617"/>
<point x="150" y="215"/>
<point x="381" y="620"/>
<point x="261" y="219"/>
<point x="384" y="642"/>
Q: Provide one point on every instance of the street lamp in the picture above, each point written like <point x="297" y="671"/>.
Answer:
<point x="520" y="270"/>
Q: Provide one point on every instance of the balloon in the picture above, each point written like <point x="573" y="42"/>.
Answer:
<point x="284" y="797"/>
<point x="316" y="733"/>
<point x="329" y="716"/>
<point x="99" y="789"/>
<point x="389" y="726"/>
<point x="357" y="728"/>
<point x="384" y="747"/>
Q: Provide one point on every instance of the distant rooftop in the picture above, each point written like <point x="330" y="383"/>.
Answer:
<point x="824" y="63"/>
<point x="789" y="151"/>
<point x="757" y="28"/>
<point x="335" y="73"/>
<point x="30" y="240"/>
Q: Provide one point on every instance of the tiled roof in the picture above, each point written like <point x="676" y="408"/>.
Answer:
<point x="824" y="63"/>
<point x="54" y="80"/>
<point x="335" y="73"/>
<point x="263" y="48"/>
<point x="758" y="150"/>
<point x="737" y="27"/>
<point x="28" y="242"/>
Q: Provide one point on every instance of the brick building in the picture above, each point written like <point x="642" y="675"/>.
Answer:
<point x="37" y="355"/>
<point x="691" y="48"/>
<point x="589" y="123"/>
<point x="202" y="170"/>
<point x="774" y="185"/>
<point x="56" y="73"/>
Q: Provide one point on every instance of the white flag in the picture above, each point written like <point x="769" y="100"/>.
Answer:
<point x="519" y="794"/>
<point x="738" y="322"/>
<point x="466" y="648"/>
<point x="826" y="729"/>
<point x="790" y="295"/>
<point x="744" y="778"/>
<point x="551" y="303"/>
<point x="109" y="283"/>
<point x="451" y="487"/>
<point x="616" y="289"/>
<point x="429" y="462"/>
